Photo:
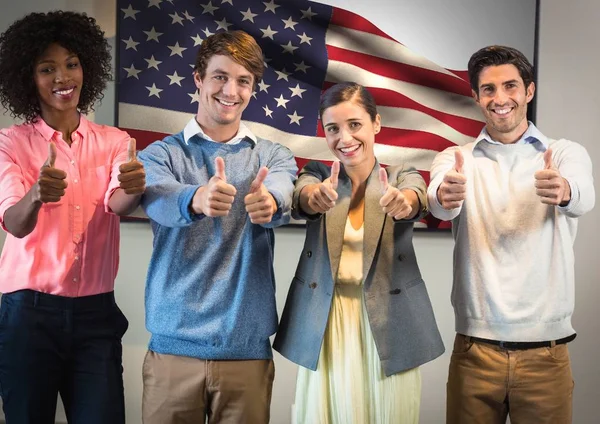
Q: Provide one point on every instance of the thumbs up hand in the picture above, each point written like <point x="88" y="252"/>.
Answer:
<point x="216" y="197"/>
<point x="260" y="204"/>
<point x="552" y="188"/>
<point x="322" y="197"/>
<point x="393" y="202"/>
<point x="453" y="189"/>
<point x="132" y="176"/>
<point x="51" y="182"/>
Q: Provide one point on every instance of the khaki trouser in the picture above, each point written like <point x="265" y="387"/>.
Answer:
<point x="487" y="383"/>
<point x="181" y="390"/>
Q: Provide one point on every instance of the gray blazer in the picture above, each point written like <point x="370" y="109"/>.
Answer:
<point x="397" y="303"/>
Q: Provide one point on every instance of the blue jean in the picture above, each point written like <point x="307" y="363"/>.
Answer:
<point x="52" y="344"/>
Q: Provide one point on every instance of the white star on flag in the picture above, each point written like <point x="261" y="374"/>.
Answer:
<point x="295" y="118"/>
<point x="188" y="16"/>
<point x="301" y="66"/>
<point x="288" y="48"/>
<point x="268" y="32"/>
<point x="153" y="63"/>
<point x="130" y="44"/>
<point x="177" y="50"/>
<point x="195" y="97"/>
<point x="248" y="15"/>
<point x="270" y="6"/>
<point x="282" y="75"/>
<point x="197" y="40"/>
<point x="209" y="8"/>
<point x="153" y="35"/>
<point x="268" y="112"/>
<point x="263" y="86"/>
<point x="281" y="102"/>
<point x="130" y="12"/>
<point x="154" y="3"/>
<point x="227" y="1"/>
<point x="297" y="91"/>
<point x="308" y="13"/>
<point x="176" y="19"/>
<point x="207" y="32"/>
<point x="176" y="79"/>
<point x="154" y="91"/>
<point x="304" y="38"/>
<point x="289" y="23"/>
<point x="132" y="72"/>
<point x="222" y="24"/>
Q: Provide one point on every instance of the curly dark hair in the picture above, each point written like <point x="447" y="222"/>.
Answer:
<point x="26" y="40"/>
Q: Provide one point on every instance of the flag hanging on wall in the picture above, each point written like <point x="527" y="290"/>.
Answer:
<point x="308" y="46"/>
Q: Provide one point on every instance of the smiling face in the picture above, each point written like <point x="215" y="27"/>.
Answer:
<point x="350" y="134"/>
<point x="503" y="98"/>
<point x="58" y="77"/>
<point x="224" y="93"/>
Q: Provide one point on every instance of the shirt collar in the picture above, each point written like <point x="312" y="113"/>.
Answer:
<point x="47" y="132"/>
<point x="193" y="128"/>
<point x="530" y="136"/>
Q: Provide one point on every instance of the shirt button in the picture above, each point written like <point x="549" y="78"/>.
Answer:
<point x="77" y="207"/>
<point x="77" y="257"/>
<point x="75" y="279"/>
<point x="75" y="180"/>
<point x="72" y="162"/>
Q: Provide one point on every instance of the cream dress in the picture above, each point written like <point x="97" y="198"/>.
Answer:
<point x="349" y="386"/>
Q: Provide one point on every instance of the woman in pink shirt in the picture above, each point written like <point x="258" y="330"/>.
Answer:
<point x="63" y="182"/>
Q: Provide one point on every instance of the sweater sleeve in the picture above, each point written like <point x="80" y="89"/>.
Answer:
<point x="280" y="182"/>
<point x="575" y="165"/>
<point x="442" y="163"/>
<point x="165" y="200"/>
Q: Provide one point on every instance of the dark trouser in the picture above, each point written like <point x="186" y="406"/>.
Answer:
<point x="52" y="344"/>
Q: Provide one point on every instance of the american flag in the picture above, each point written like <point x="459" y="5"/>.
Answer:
<point x="307" y="47"/>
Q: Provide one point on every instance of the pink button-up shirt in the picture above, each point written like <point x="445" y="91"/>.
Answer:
<point x="74" y="249"/>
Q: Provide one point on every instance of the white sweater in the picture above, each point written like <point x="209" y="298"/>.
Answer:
<point x="513" y="255"/>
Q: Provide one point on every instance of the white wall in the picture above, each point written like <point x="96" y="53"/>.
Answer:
<point x="568" y="105"/>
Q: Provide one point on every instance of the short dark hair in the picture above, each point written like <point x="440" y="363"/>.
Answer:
<point x="496" y="56"/>
<point x="238" y="45"/>
<point x="346" y="91"/>
<point x="27" y="39"/>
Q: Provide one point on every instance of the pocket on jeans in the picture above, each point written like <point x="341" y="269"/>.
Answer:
<point x="461" y="346"/>
<point x="559" y="352"/>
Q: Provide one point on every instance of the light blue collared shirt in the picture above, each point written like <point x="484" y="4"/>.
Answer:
<point x="530" y="136"/>
<point x="193" y="128"/>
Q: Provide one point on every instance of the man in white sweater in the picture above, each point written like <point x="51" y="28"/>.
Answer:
<point x="514" y="197"/>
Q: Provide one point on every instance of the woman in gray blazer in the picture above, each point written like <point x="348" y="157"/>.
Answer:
<point x="357" y="317"/>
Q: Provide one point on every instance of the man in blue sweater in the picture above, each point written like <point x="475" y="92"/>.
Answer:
<point x="214" y="193"/>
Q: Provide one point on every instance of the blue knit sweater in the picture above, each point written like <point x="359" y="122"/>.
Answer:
<point x="210" y="289"/>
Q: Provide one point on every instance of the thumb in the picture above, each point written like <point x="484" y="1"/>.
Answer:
<point x="260" y="178"/>
<point x="383" y="179"/>
<point x="51" y="155"/>
<point x="131" y="150"/>
<point x="335" y="172"/>
<point x="548" y="162"/>
<point x="459" y="161"/>
<point x="220" y="168"/>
